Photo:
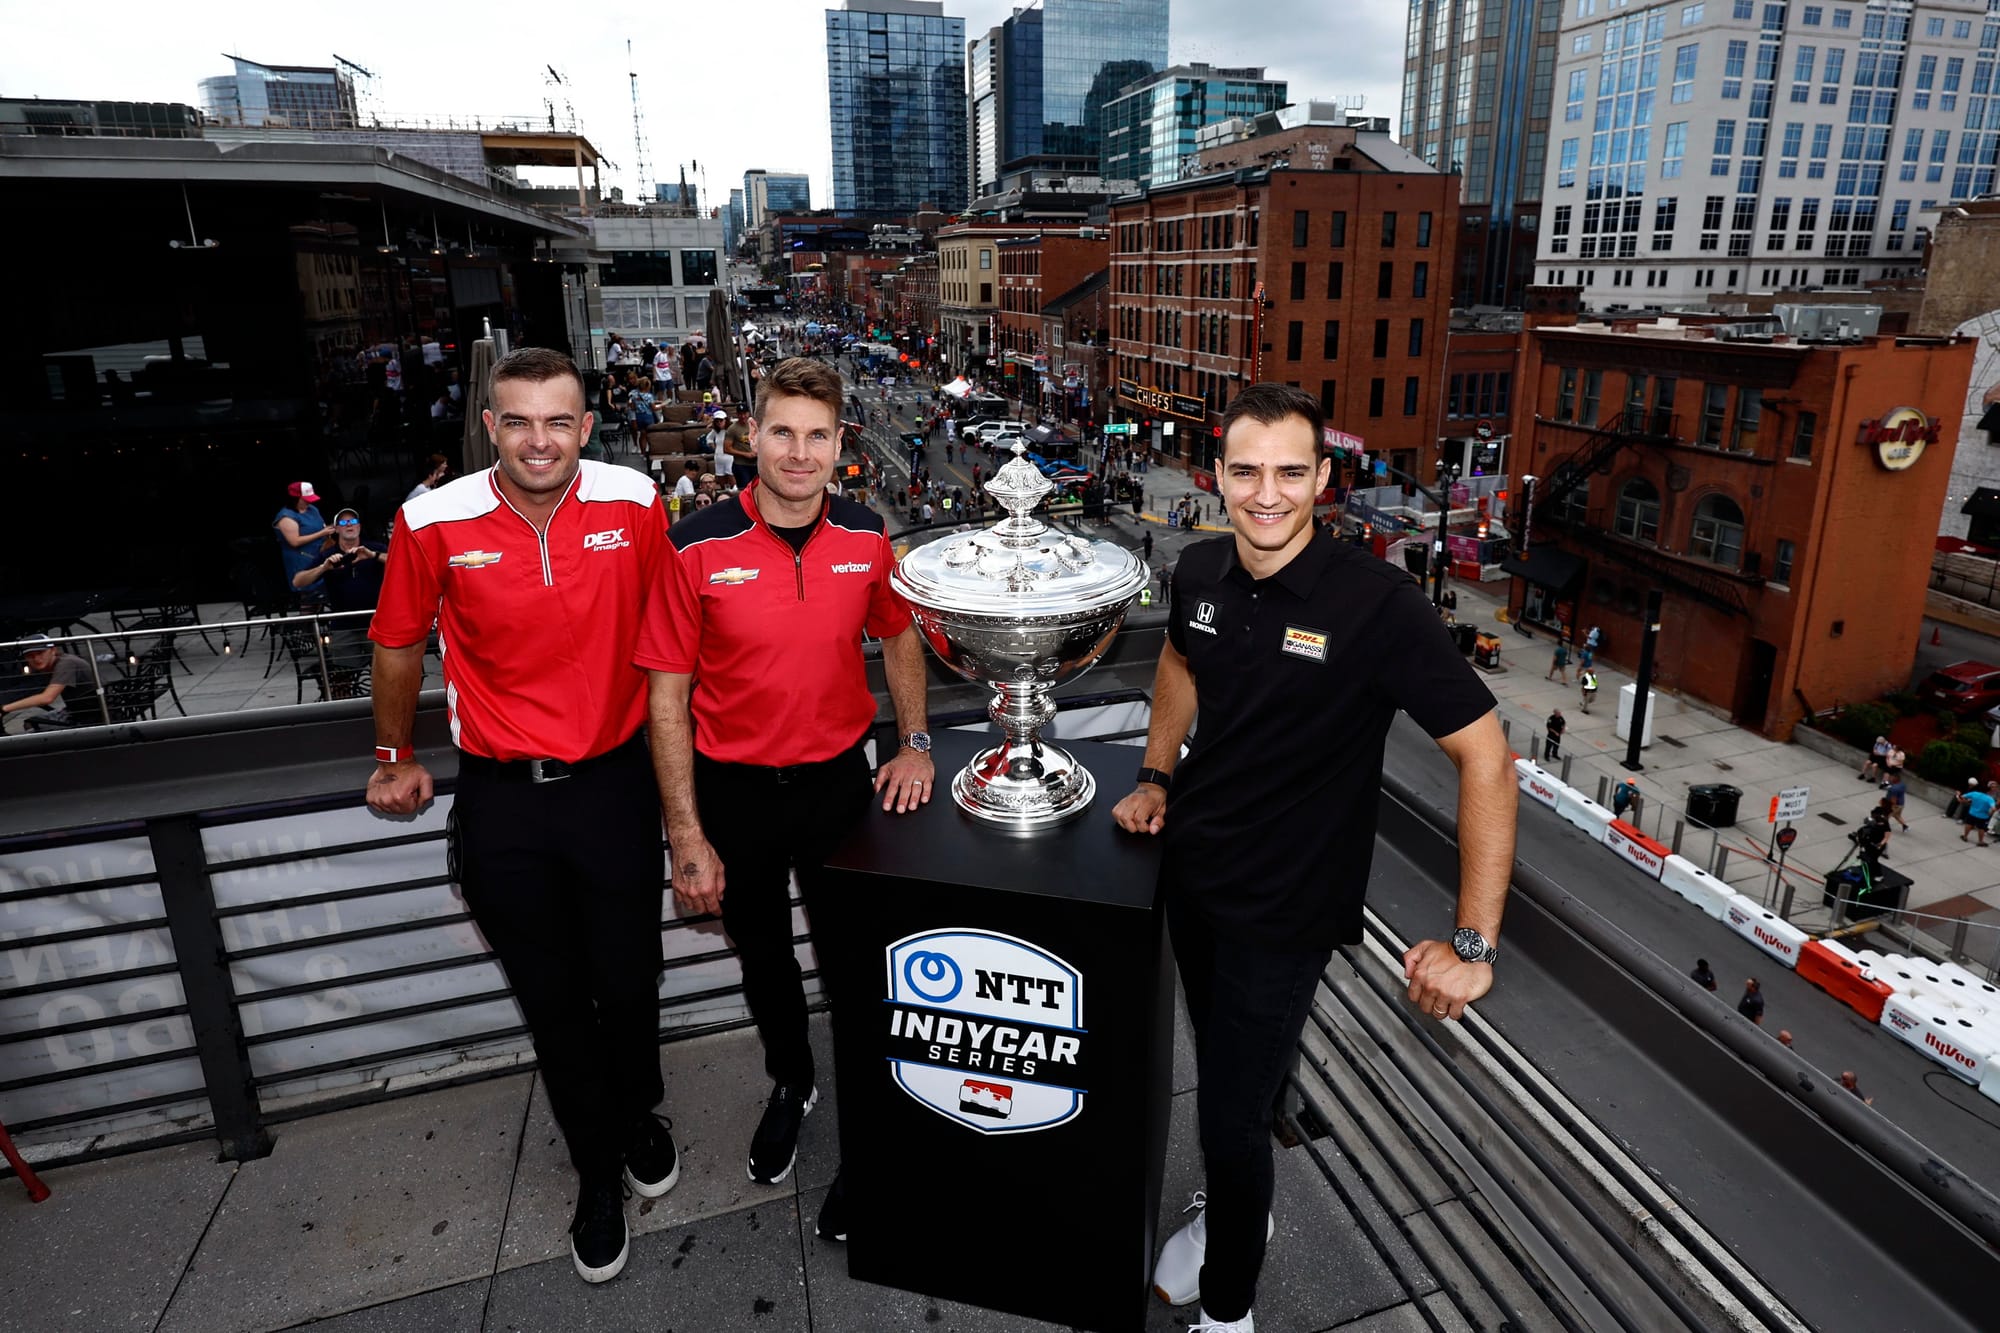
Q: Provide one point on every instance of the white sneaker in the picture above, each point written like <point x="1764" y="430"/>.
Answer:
<point x="1177" y="1275"/>
<point x="1203" y="1324"/>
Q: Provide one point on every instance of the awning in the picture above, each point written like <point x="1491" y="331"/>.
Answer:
<point x="1553" y="568"/>
<point x="1985" y="503"/>
<point x="958" y="388"/>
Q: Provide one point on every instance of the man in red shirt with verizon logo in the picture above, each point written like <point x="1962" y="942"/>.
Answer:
<point x="760" y="706"/>
<point x="538" y="574"/>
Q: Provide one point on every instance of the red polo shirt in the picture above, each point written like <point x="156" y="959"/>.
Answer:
<point x="538" y="629"/>
<point x="772" y="636"/>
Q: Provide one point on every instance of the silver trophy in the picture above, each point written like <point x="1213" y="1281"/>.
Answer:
<point x="1022" y="609"/>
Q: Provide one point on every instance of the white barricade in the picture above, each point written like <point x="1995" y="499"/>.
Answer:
<point x="1989" y="1082"/>
<point x="1941" y="1033"/>
<point x="1977" y="994"/>
<point x="1585" y="813"/>
<point x="1538" y="782"/>
<point x="1696" y="885"/>
<point x="1771" y="933"/>
<point x="1633" y="846"/>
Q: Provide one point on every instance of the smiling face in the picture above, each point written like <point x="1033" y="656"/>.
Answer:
<point x="1270" y="473"/>
<point x="538" y="428"/>
<point x="797" y="440"/>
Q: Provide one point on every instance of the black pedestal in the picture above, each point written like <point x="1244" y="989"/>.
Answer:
<point x="1003" y="1031"/>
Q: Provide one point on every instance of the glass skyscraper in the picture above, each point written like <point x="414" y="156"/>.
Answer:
<point x="1042" y="79"/>
<point x="896" y="93"/>
<point x="1149" y="132"/>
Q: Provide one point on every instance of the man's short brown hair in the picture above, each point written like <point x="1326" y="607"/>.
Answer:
<point x="1270" y="404"/>
<point x="536" y="365"/>
<point x="801" y="377"/>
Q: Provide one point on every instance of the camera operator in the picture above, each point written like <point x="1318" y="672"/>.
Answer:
<point x="350" y="576"/>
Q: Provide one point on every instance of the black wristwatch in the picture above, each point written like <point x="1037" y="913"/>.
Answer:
<point x="1473" y="947"/>
<point x="920" y="741"/>
<point x="1159" y="778"/>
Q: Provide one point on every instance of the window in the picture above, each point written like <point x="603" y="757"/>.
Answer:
<point x="1335" y="280"/>
<point x="1578" y="87"/>
<point x="1298" y="279"/>
<point x="1423" y="230"/>
<point x="1566" y="164"/>
<point x="1749" y="416"/>
<point x="1337" y="237"/>
<point x="986" y="259"/>
<point x="1718" y="531"/>
<point x="1593" y="389"/>
<point x="1301" y="228"/>
<point x="1843" y="18"/>
<point x="1566" y="394"/>
<point x="1684" y="63"/>
<point x="640" y="268"/>
<point x="1388" y="229"/>
<point x="1714" y="408"/>
<point x="1802" y="435"/>
<point x="1420" y="276"/>
<point x="1329" y="348"/>
<point x="1673" y="149"/>
<point x="1416" y="337"/>
<point x="1326" y="397"/>
<point x="1410" y="396"/>
<point x="1295" y="337"/>
<point x="1375" y="397"/>
<point x="1802" y="67"/>
<point x="1385" y="280"/>
<point x="1381" y="337"/>
<point x="1781" y="566"/>
<point x="1638" y="511"/>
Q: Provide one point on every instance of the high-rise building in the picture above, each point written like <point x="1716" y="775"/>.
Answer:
<point x="1041" y="81"/>
<point x="1149" y="129"/>
<point x="1477" y="80"/>
<point x="768" y="192"/>
<point x="1833" y="133"/>
<point x="896" y="93"/>
<point x="732" y="222"/>
<point x="298" y="96"/>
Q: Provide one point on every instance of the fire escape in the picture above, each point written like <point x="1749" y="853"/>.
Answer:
<point x="1632" y="427"/>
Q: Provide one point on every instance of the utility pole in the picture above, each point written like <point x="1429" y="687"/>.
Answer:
<point x="1643" y="683"/>
<point x="638" y="128"/>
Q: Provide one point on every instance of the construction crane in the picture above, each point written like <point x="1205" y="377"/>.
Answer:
<point x="559" y="89"/>
<point x="638" y="123"/>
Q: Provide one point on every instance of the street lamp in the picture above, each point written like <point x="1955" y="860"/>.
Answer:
<point x="1448" y="473"/>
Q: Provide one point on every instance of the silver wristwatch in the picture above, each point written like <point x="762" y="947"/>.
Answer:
<point x="1473" y="947"/>
<point x="920" y="741"/>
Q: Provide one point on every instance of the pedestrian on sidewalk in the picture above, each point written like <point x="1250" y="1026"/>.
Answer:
<point x="1585" y="655"/>
<point x="1872" y="769"/>
<point x="1896" y="791"/>
<point x="1895" y="758"/>
<point x="1978" y="810"/>
<point x="1146" y="548"/>
<point x="1751" y="1006"/>
<point x="1559" y="660"/>
<point x="1552" y="742"/>
<point x="1785" y="1038"/>
<point x="1702" y="976"/>
<point x="1853" y="1085"/>
<point x="1588" y="679"/>
<point x="1627" y="796"/>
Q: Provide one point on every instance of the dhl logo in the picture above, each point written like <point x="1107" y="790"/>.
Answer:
<point x="1307" y="643"/>
<point x="475" y="559"/>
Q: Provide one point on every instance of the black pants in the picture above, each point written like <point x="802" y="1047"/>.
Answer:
<point x="1247" y="1006"/>
<point x="565" y="879"/>
<point x="767" y="824"/>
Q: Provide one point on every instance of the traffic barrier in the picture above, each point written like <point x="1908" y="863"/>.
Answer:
<point x="1538" y="782"/>
<point x="1920" y="976"/>
<point x="1696" y="885"/>
<point x="1769" y="932"/>
<point x="1583" y="812"/>
<point x="1835" y="970"/>
<point x="1989" y="1082"/>
<point x="1981" y="994"/>
<point x="1940" y="1032"/>
<point x="1637" y="848"/>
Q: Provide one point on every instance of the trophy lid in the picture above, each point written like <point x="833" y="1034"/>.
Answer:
<point x="1020" y="566"/>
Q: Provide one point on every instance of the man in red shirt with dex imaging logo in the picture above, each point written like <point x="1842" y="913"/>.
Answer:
<point x="760" y="708"/>
<point x="538" y="574"/>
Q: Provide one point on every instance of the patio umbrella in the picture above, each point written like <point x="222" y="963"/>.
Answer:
<point x="477" y="449"/>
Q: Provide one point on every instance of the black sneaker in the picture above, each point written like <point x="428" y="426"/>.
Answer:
<point x="775" y="1145"/>
<point x="597" y="1238"/>
<point x="832" y="1223"/>
<point x="652" y="1166"/>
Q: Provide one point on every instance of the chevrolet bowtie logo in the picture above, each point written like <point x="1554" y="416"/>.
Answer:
<point x="475" y="559"/>
<point x="734" y="574"/>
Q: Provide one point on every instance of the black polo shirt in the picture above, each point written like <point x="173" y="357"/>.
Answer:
<point x="1270" y="825"/>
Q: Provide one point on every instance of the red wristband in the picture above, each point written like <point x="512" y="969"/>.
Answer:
<point x="389" y="754"/>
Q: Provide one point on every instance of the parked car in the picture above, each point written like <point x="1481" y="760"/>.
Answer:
<point x="1003" y="440"/>
<point x="1962" y="687"/>
<point x="983" y="430"/>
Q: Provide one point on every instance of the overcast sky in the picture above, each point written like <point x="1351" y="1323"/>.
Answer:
<point x="728" y="84"/>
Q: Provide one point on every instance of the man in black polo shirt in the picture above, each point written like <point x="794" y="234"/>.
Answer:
<point x="1297" y="650"/>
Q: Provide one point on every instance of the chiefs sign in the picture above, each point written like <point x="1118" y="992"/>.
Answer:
<point x="1898" y="438"/>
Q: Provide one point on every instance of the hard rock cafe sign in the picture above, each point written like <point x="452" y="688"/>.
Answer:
<point x="1899" y="438"/>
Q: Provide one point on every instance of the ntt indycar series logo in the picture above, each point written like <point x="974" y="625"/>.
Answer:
<point x="987" y="1030"/>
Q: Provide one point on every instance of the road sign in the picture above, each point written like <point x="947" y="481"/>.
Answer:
<point x="1120" y="428"/>
<point x="1789" y="804"/>
<point x="1786" y="837"/>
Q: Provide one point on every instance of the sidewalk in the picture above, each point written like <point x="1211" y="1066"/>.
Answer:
<point x="1694" y="744"/>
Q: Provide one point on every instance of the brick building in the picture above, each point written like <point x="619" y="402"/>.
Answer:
<point x="1781" y="495"/>
<point x="1076" y="333"/>
<point x="1033" y="269"/>
<point x="1353" y="256"/>
<point x="969" y="287"/>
